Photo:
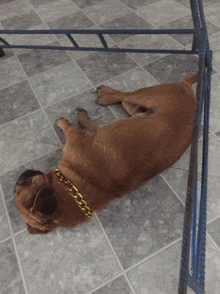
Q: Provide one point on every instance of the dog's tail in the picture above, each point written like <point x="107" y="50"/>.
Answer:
<point x="187" y="82"/>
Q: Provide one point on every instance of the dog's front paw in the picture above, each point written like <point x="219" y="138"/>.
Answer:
<point x="62" y="122"/>
<point x="102" y="90"/>
<point x="103" y="101"/>
<point x="81" y="112"/>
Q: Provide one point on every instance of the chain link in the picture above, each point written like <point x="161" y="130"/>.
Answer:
<point x="75" y="194"/>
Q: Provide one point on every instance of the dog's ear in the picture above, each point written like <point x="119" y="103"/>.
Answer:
<point x="26" y="175"/>
<point x="45" y="201"/>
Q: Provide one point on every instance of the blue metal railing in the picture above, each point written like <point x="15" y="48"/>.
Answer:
<point x="99" y="33"/>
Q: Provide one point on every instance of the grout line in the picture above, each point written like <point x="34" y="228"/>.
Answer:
<point x="179" y="198"/>
<point x="4" y="240"/>
<point x="215" y="136"/>
<point x="213" y="219"/>
<point x="213" y="242"/>
<point x="105" y="283"/>
<point x="154" y="254"/>
<point x="29" y="161"/>
<point x="14" y="244"/>
<point x="109" y="107"/>
<point x="16" y="234"/>
<point x="23" y="116"/>
<point x="116" y="77"/>
<point x="41" y="105"/>
<point x="115" y="255"/>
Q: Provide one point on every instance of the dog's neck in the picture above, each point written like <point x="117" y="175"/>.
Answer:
<point x="96" y="197"/>
<point x="83" y="205"/>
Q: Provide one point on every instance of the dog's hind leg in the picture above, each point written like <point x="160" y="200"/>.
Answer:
<point x="134" y="109"/>
<point x="130" y="101"/>
<point x="108" y="96"/>
<point x="84" y="120"/>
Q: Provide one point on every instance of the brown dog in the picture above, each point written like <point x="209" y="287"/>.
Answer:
<point x="105" y="163"/>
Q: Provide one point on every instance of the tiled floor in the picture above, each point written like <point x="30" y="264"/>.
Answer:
<point x="133" y="246"/>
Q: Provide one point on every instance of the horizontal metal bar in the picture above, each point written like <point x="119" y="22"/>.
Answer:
<point x="101" y="49"/>
<point x="170" y="31"/>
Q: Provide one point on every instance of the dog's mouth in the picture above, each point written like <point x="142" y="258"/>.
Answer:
<point x="26" y="175"/>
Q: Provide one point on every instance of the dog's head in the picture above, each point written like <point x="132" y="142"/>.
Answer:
<point x="36" y="201"/>
<point x="45" y="203"/>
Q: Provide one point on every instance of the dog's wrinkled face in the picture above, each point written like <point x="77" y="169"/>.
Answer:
<point x="36" y="201"/>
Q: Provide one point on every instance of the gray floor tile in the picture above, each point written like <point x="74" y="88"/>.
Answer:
<point x="151" y="42"/>
<point x="51" y="11"/>
<point x="4" y="226"/>
<point x="212" y="13"/>
<point x="74" y="21"/>
<point x="74" y="260"/>
<point x="37" y="3"/>
<point x="16" y="101"/>
<point x="101" y="116"/>
<point x="5" y="2"/>
<point x="143" y="221"/>
<point x="14" y="8"/>
<point x="205" y="2"/>
<point x="135" y="4"/>
<point x="26" y="138"/>
<point x="11" y="72"/>
<point x="106" y="11"/>
<point x="214" y="156"/>
<point x="160" y="274"/>
<point x="187" y="23"/>
<point x="162" y="12"/>
<point x="86" y="3"/>
<point x="215" y="46"/>
<point x="172" y="68"/>
<point x="59" y="83"/>
<point x="129" y="21"/>
<point x="178" y="179"/>
<point x="22" y="22"/>
<point x="37" y="61"/>
<point x="118" y="286"/>
<point x="214" y="230"/>
<point x="48" y="161"/>
<point x="10" y="278"/>
<point x="105" y="66"/>
<point x="215" y="104"/>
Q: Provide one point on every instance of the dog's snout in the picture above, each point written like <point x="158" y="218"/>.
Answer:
<point x="26" y="175"/>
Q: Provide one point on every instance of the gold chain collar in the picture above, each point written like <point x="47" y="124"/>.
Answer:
<point x="74" y="193"/>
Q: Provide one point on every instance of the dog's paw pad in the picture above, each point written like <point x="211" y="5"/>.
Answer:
<point x="79" y="111"/>
<point x="61" y="121"/>
<point x="100" y="90"/>
<point x="102" y="101"/>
